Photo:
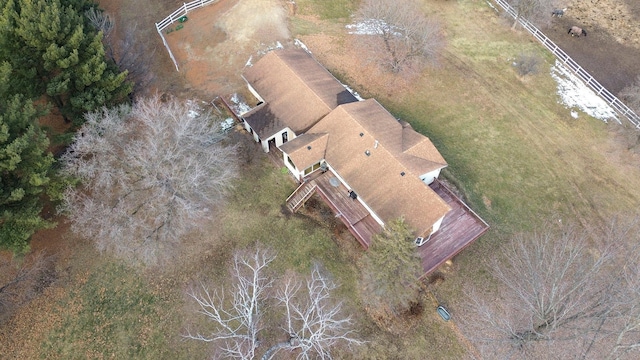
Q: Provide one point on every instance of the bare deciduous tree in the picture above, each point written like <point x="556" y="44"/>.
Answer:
<point x="624" y="342"/>
<point x="631" y="95"/>
<point x="128" y="53"/>
<point x="135" y="56"/>
<point x="237" y="327"/>
<point x="313" y="321"/>
<point x="555" y="298"/>
<point x="101" y="20"/>
<point x="398" y="36"/>
<point x="626" y="331"/>
<point x="149" y="173"/>
<point x="21" y="281"/>
<point x="537" y="12"/>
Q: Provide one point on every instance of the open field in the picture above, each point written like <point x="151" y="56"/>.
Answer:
<point x="514" y="152"/>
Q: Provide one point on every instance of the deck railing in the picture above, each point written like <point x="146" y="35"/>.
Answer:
<point x="300" y="196"/>
<point x="611" y="99"/>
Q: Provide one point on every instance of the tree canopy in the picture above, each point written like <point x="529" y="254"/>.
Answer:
<point x="390" y="270"/>
<point x="25" y="167"/>
<point x="56" y="52"/>
<point x="150" y="172"/>
<point x="401" y="38"/>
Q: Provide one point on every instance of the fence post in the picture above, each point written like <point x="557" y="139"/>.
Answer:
<point x="164" y="41"/>
<point x="622" y="108"/>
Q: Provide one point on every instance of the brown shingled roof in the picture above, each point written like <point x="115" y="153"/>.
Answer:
<point x="297" y="90"/>
<point x="263" y="121"/>
<point x="306" y="149"/>
<point x="365" y="147"/>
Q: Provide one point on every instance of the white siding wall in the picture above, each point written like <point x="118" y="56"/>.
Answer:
<point x="254" y="92"/>
<point x="430" y="176"/>
<point x="297" y="174"/>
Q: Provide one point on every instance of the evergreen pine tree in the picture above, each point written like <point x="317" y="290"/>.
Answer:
<point x="25" y="166"/>
<point x="67" y="55"/>
<point x="390" y="270"/>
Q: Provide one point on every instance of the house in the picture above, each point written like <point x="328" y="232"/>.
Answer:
<point x="368" y="166"/>
<point x="384" y="162"/>
<point x="294" y="91"/>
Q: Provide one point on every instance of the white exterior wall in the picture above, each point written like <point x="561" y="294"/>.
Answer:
<point x="253" y="91"/>
<point x="429" y="177"/>
<point x="278" y="139"/>
<point x="296" y="173"/>
<point x="253" y="133"/>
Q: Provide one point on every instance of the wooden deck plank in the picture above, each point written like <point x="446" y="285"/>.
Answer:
<point x="459" y="229"/>
<point x="350" y="211"/>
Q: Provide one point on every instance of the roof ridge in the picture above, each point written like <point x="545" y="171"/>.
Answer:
<point x="315" y="93"/>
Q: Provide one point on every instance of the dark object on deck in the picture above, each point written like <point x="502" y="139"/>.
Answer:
<point x="353" y="195"/>
<point x="444" y="314"/>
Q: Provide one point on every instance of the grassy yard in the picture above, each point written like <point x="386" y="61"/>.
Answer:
<point x="515" y="153"/>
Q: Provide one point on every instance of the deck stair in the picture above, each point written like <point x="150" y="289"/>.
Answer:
<point x="301" y="195"/>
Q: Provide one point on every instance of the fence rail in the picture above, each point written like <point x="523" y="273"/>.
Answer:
<point x="175" y="16"/>
<point x="611" y="99"/>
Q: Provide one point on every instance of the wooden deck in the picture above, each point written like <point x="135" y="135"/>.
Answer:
<point x="460" y="227"/>
<point x="350" y="211"/>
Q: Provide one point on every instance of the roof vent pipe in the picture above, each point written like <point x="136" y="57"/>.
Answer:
<point x="375" y="145"/>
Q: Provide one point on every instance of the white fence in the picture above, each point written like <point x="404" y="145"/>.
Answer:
<point x="611" y="99"/>
<point x="175" y="16"/>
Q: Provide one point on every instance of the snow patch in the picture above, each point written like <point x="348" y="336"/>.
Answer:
<point x="576" y="94"/>
<point x="227" y="124"/>
<point x="194" y="109"/>
<point x="373" y="27"/>
<point x="301" y="45"/>
<point x="267" y="48"/>
<point x="238" y="105"/>
<point x="353" y="92"/>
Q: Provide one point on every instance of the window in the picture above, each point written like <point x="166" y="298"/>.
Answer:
<point x="312" y="168"/>
<point x="285" y="136"/>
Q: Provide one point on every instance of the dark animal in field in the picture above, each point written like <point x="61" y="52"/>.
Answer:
<point x="576" y="31"/>
<point x="558" y="12"/>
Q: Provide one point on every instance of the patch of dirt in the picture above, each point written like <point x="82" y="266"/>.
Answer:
<point x="217" y="41"/>
<point x="611" y="49"/>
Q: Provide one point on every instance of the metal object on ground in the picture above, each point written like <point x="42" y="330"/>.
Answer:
<point x="444" y="314"/>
